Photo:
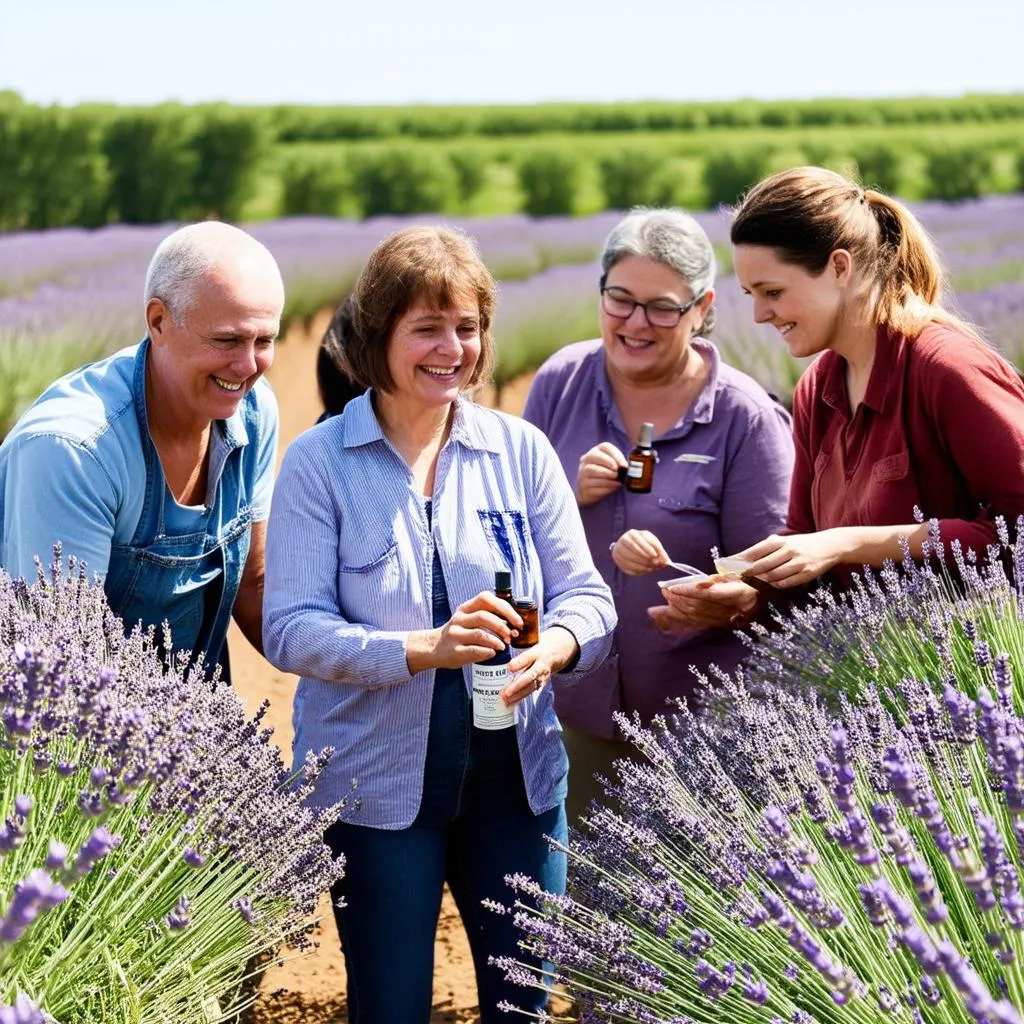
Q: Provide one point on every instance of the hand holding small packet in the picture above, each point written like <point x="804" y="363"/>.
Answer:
<point x="733" y="567"/>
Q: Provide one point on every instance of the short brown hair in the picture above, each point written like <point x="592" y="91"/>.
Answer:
<point x="806" y="213"/>
<point x="437" y="265"/>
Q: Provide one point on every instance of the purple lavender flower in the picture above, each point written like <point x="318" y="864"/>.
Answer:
<point x="36" y="894"/>
<point x="178" y="919"/>
<point x="99" y="844"/>
<point x="714" y="983"/>
<point x="24" y="1011"/>
<point x="193" y="859"/>
<point x="245" y="908"/>
<point x="56" y="856"/>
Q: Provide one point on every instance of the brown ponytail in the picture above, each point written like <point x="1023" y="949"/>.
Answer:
<point x="806" y="213"/>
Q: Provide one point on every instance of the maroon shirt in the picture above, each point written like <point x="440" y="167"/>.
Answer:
<point x="721" y="481"/>
<point x="940" y="428"/>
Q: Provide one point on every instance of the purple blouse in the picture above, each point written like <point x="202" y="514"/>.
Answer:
<point x="722" y="481"/>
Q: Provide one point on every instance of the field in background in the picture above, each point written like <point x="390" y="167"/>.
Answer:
<point x="95" y="165"/>
<point x="70" y="295"/>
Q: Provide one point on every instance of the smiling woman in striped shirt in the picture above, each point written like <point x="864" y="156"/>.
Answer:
<point x="388" y="524"/>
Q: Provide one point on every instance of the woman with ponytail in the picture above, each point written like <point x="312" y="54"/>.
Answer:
<point x="906" y="412"/>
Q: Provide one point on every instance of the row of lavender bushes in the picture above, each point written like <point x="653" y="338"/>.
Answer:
<point x="70" y="295"/>
<point x="838" y="837"/>
<point x="153" y="846"/>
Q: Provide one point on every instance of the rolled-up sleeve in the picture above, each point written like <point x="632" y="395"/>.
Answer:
<point x="56" y="490"/>
<point x="303" y="629"/>
<point x="575" y="595"/>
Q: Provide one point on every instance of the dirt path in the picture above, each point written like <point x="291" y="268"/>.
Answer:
<point x="311" y="990"/>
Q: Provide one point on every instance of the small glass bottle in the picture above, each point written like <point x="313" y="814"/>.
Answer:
<point x="640" y="472"/>
<point x="530" y="633"/>
<point x="490" y="677"/>
<point x="503" y="585"/>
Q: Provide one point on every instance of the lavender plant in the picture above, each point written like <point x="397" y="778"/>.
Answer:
<point x="932" y="620"/>
<point x="787" y="857"/>
<point x="152" y="842"/>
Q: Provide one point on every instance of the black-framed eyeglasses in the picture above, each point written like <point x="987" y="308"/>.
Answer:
<point x="617" y="302"/>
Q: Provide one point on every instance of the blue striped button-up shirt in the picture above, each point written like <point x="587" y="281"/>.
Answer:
<point x="349" y="575"/>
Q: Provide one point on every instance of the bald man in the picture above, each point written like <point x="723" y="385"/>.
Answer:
<point x="154" y="467"/>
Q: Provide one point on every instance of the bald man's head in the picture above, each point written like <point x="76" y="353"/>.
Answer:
<point x="198" y="255"/>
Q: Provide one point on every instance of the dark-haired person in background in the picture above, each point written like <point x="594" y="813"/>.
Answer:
<point x="906" y="408"/>
<point x="334" y="380"/>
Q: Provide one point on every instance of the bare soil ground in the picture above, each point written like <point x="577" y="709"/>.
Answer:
<point x="311" y="989"/>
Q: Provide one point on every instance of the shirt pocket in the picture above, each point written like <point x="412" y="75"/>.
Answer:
<point x="692" y="487"/>
<point x="893" y="491"/>
<point x="688" y="532"/>
<point x="368" y="579"/>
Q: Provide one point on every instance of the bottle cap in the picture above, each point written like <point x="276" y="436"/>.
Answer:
<point x="646" y="435"/>
<point x="503" y="580"/>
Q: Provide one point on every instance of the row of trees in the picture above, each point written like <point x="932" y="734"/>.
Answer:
<point x="88" y="167"/>
<point x="336" y="123"/>
<point x="405" y="178"/>
<point x="94" y="165"/>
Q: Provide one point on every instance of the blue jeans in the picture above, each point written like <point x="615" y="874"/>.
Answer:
<point x="474" y="827"/>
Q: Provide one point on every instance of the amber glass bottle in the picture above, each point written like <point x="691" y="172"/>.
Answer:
<point x="640" y="472"/>
<point x="530" y="633"/>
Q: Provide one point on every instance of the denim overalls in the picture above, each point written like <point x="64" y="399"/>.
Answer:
<point x="188" y="579"/>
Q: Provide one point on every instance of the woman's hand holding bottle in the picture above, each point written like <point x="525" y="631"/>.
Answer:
<point x="598" y="474"/>
<point x="477" y="630"/>
<point x="556" y="648"/>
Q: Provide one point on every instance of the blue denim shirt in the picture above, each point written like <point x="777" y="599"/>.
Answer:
<point x="80" y="468"/>
<point x="349" y="557"/>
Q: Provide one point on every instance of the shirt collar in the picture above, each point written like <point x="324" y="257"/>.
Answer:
<point x="878" y="391"/>
<point x="701" y="409"/>
<point x="363" y="427"/>
<point x="233" y="429"/>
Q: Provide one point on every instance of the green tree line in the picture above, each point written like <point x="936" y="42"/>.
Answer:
<point x="97" y="164"/>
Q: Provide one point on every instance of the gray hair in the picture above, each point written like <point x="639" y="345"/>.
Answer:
<point x="187" y="255"/>
<point x="672" y="238"/>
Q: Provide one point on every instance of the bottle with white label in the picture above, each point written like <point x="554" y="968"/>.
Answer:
<point x="492" y="676"/>
<point x="640" y="472"/>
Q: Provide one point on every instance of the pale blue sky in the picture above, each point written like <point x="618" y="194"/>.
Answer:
<point x="403" y="51"/>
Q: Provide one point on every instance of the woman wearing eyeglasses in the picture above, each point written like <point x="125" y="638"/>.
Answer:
<point x="722" y="480"/>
